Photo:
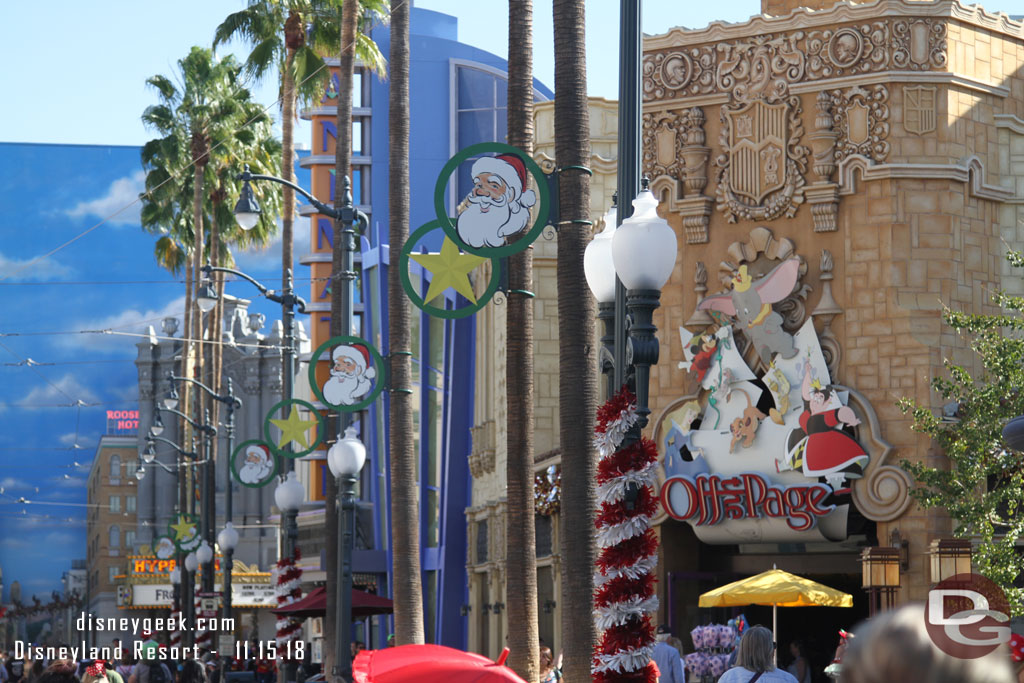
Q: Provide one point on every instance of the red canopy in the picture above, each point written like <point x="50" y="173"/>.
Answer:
<point x="429" y="664"/>
<point x="315" y="605"/>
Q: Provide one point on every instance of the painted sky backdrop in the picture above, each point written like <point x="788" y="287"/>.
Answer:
<point x="75" y="81"/>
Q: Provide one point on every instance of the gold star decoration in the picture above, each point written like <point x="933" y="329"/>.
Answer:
<point x="294" y="429"/>
<point x="183" y="529"/>
<point x="450" y="268"/>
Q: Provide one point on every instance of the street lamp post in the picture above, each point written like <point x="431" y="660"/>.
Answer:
<point x="348" y="217"/>
<point x="346" y="458"/>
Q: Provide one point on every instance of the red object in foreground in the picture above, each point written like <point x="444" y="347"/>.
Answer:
<point x="315" y="605"/>
<point x="429" y="664"/>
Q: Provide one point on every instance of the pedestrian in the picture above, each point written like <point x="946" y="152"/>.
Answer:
<point x="4" y="676"/>
<point x="192" y="671"/>
<point x="150" y="669"/>
<point x="15" y="668"/>
<point x="549" y="673"/>
<point x="895" y="646"/>
<point x="60" y="671"/>
<point x="124" y="668"/>
<point x="36" y="670"/>
<point x="800" y="668"/>
<point x="95" y="673"/>
<point x="755" y="660"/>
<point x="670" y="664"/>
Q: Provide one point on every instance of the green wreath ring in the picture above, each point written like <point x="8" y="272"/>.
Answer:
<point x="321" y="429"/>
<point x="196" y="541"/>
<point x="240" y="448"/>
<point x="543" y="199"/>
<point x="378" y="364"/>
<point x="417" y="300"/>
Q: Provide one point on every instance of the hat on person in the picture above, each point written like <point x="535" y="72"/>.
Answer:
<point x="664" y="629"/>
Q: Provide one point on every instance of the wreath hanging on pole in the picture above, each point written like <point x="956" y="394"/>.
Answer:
<point x="628" y="548"/>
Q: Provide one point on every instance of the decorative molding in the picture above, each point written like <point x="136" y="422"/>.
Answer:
<point x="661" y="144"/>
<point x="823" y="139"/>
<point x="848" y="50"/>
<point x="919" y="109"/>
<point x="823" y="198"/>
<point x="827" y="309"/>
<point x="862" y="121"/>
<point x="1010" y="122"/>
<point x="882" y="495"/>
<point x="696" y="213"/>
<point x="970" y="171"/>
<point x="803" y="18"/>
<point x="482" y="457"/>
<point x="919" y="44"/>
<point x="700" y="318"/>
<point x="695" y="153"/>
<point x="761" y="166"/>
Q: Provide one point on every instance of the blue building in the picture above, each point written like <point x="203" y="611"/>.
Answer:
<point x="458" y="98"/>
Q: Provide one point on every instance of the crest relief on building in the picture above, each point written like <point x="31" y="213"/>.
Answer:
<point x="762" y="163"/>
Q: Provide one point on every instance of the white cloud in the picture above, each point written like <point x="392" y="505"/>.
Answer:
<point x="9" y="483"/>
<point x="119" y="206"/>
<point x="130" y="320"/>
<point x="43" y="270"/>
<point x="69" y="481"/>
<point x="268" y="258"/>
<point x="67" y="389"/>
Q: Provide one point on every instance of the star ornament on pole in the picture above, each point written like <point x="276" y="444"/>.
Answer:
<point x="294" y="429"/>
<point x="288" y="417"/>
<point x="449" y="268"/>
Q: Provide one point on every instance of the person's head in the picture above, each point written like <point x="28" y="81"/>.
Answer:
<point x="391" y="640"/>
<point x="60" y="671"/>
<point x="796" y="648"/>
<point x="192" y="671"/>
<point x="895" y="646"/>
<point x="756" y="650"/>
<point x="95" y="673"/>
<point x="663" y="633"/>
<point x="547" y="659"/>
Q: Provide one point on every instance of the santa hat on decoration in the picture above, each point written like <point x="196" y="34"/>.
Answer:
<point x="361" y="358"/>
<point x="511" y="169"/>
<point x="259" y="451"/>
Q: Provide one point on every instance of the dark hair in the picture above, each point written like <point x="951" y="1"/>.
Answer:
<point x="193" y="671"/>
<point x="545" y="651"/>
<point x="60" y="671"/>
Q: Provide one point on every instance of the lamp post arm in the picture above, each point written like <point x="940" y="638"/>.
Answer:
<point x="187" y="454"/>
<point x="165" y="468"/>
<point x="209" y="429"/>
<point x="286" y="299"/>
<point x="209" y="392"/>
<point x="320" y="206"/>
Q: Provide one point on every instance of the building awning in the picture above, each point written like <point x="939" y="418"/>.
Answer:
<point x="315" y="605"/>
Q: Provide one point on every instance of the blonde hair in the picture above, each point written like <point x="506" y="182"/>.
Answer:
<point x="895" y="646"/>
<point x="755" y="650"/>
<point x="89" y="678"/>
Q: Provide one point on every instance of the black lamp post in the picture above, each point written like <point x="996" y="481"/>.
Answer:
<point x="350" y="220"/>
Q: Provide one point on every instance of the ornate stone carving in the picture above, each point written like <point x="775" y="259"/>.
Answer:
<point x="827" y="309"/>
<point x="823" y="139"/>
<point x="694" y="153"/>
<point x="862" y="121"/>
<point x="700" y="318"/>
<point x="482" y="457"/>
<point x="661" y="144"/>
<point x="882" y="494"/>
<point x="919" y="115"/>
<point x="847" y="50"/>
<point x="679" y="72"/>
<point x="761" y="167"/>
<point x="918" y="44"/>
<point x="696" y="213"/>
<point x="761" y="67"/>
<point x="823" y="198"/>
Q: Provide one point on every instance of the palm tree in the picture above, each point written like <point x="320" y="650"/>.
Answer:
<point x="520" y="555"/>
<point x="577" y="381"/>
<point x="407" y="589"/>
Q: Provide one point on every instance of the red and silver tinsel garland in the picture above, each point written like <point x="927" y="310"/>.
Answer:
<point x="624" y="581"/>
<point x="175" y="637"/>
<point x="204" y="637"/>
<point x="287" y="580"/>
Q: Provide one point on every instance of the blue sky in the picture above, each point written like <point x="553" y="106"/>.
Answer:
<point x="75" y="75"/>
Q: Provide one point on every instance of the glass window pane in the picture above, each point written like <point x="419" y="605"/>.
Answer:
<point x="357" y="89"/>
<point x="476" y="89"/>
<point x="434" y="429"/>
<point x="357" y="137"/>
<point x="115" y="466"/>
<point x="481" y="541"/>
<point x="431" y="600"/>
<point x="357" y="186"/>
<point x="115" y="537"/>
<point x="501" y="128"/>
<point x="543" y="529"/>
<point x="475" y="126"/>
<point x="433" y="518"/>
<point x="436" y="343"/>
<point x="129" y="504"/>
<point x="414" y="334"/>
<point x="115" y="503"/>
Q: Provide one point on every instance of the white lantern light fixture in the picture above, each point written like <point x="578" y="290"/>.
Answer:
<point x="171" y="399"/>
<point x="176" y="576"/>
<point x="157" y="428"/>
<point x="140" y="472"/>
<point x="149" y="455"/>
<point x="206" y="297"/>
<point x="205" y="553"/>
<point x="597" y="261"/>
<point x="644" y="246"/>
<point x="247" y="210"/>
<point x="289" y="494"/>
<point x="191" y="563"/>
<point x="347" y="456"/>
<point x="227" y="539"/>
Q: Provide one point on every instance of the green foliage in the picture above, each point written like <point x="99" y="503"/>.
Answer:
<point x="980" y="482"/>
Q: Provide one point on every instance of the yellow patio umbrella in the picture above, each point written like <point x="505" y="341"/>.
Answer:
<point x="778" y="589"/>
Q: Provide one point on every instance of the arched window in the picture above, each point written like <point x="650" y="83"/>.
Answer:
<point x="115" y="536"/>
<point x="115" y="467"/>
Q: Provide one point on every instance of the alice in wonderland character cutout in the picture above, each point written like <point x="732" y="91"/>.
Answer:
<point x="352" y="375"/>
<point x="499" y="204"/>
<point x="821" y="448"/>
<point x="681" y="458"/>
<point x="750" y="303"/>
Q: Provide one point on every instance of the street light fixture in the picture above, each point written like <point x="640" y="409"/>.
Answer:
<point x="247" y="210"/>
<point x="206" y="296"/>
<point x="171" y="398"/>
<point x="345" y="459"/>
<point x="149" y="455"/>
<point x="204" y="553"/>
<point x="191" y="562"/>
<point x="140" y="472"/>
<point x="157" y="428"/>
<point x="289" y="494"/>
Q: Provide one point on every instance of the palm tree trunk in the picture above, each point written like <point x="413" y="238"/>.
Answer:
<point x="577" y="381"/>
<point x="287" y="172"/>
<point x="520" y="555"/>
<point x="185" y="388"/>
<point x="340" y="309"/>
<point x="407" y="590"/>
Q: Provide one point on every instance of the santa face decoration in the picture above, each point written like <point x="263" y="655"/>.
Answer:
<point x="499" y="204"/>
<point x="351" y="375"/>
<point x="257" y="465"/>
<point x="163" y="548"/>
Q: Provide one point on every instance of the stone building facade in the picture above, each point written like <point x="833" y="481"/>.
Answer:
<point x="882" y="145"/>
<point x="485" y="518"/>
